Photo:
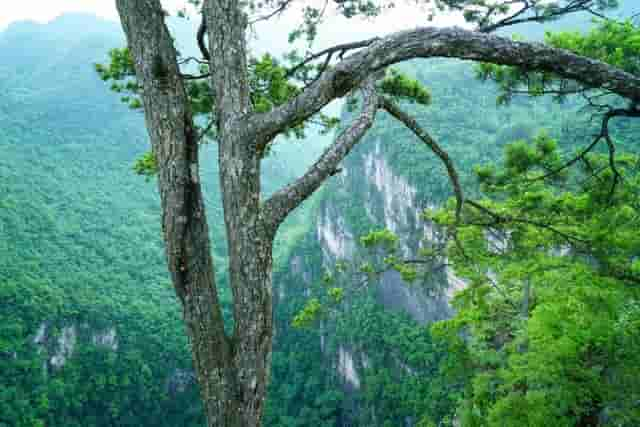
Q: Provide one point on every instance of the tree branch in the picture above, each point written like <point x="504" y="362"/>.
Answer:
<point x="202" y="32"/>
<point x="515" y="18"/>
<point x="281" y="8"/>
<point x="341" y="49"/>
<point x="280" y="204"/>
<point x="439" y="42"/>
<point x="604" y="134"/>
<point x="505" y="219"/>
<point x="393" y="109"/>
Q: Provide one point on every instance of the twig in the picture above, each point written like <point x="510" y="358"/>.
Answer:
<point x="268" y="16"/>
<point x="340" y="49"/>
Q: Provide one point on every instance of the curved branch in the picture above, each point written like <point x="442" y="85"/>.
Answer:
<point x="431" y="42"/>
<point x="341" y="49"/>
<point x="281" y="203"/>
<point x="604" y="134"/>
<point x="202" y="32"/>
<point x="195" y="77"/>
<point x="392" y="108"/>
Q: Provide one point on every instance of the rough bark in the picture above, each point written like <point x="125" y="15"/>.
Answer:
<point x="233" y="371"/>
<point x="249" y="241"/>
<point x="184" y="224"/>
<point x="285" y="200"/>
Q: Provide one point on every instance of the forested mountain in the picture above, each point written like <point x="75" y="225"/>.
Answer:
<point x="82" y="265"/>
<point x="92" y="332"/>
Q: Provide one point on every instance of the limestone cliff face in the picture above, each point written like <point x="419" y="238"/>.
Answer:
<point x="58" y="345"/>
<point x="389" y="201"/>
<point x="371" y="193"/>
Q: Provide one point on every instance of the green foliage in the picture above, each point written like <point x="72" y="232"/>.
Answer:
<point x="382" y="238"/>
<point x="399" y="365"/>
<point x="67" y="262"/>
<point x="308" y="314"/>
<point x="120" y="70"/>
<point x="610" y="41"/>
<point x="613" y="42"/>
<point x="269" y="85"/>
<point x="542" y="310"/>
<point x="146" y="165"/>
<point x="400" y="86"/>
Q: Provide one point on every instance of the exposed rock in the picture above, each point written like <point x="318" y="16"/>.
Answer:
<point x="60" y="347"/>
<point x="107" y="338"/>
<point x="390" y="202"/>
<point x="336" y="241"/>
<point x="65" y="346"/>
<point x="346" y="368"/>
<point x="41" y="335"/>
<point x="414" y="299"/>
<point x="399" y="198"/>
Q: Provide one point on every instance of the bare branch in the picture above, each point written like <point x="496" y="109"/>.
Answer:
<point x="604" y="134"/>
<point x="527" y="6"/>
<point x="206" y="130"/>
<point x="281" y="8"/>
<point x="393" y="109"/>
<point x="192" y="59"/>
<point x="195" y="77"/>
<point x="505" y="219"/>
<point x="280" y="204"/>
<point x="340" y="49"/>
<point x="202" y="32"/>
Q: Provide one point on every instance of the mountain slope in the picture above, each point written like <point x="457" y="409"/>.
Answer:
<point x="83" y="283"/>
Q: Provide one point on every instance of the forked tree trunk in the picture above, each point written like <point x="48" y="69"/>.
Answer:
<point x="232" y="370"/>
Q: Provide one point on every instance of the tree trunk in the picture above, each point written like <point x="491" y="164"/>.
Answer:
<point x="232" y="371"/>
<point x="250" y="266"/>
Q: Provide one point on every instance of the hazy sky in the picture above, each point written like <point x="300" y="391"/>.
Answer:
<point x="336" y="30"/>
<point x="46" y="10"/>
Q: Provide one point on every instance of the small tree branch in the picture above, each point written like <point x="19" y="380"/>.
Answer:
<point x="195" y="77"/>
<point x="280" y="204"/>
<point x="392" y="108"/>
<point x="202" y="32"/>
<point x="527" y="6"/>
<point x="604" y="134"/>
<point x="281" y="8"/>
<point x="340" y="49"/>
<point x="505" y="219"/>
<point x="206" y="130"/>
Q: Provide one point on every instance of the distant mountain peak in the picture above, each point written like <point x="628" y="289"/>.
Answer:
<point x="71" y="25"/>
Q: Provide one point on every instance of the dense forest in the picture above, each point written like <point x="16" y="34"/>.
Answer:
<point x="539" y="327"/>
